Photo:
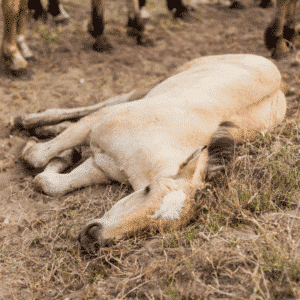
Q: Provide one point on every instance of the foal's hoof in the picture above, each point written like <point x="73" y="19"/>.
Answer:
<point x="50" y="184"/>
<point x="16" y="123"/>
<point x="42" y="184"/>
<point x="27" y="154"/>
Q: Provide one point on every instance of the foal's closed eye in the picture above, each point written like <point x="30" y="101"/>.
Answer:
<point x="147" y="190"/>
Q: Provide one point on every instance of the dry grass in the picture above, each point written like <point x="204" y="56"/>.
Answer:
<point x="244" y="243"/>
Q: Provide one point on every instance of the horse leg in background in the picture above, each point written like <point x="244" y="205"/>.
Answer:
<point x="96" y="26"/>
<point x="289" y="31"/>
<point x="145" y="15"/>
<point x="21" y="26"/>
<point x="136" y="24"/>
<point x="281" y="29"/>
<point x="38" y="11"/>
<point x="178" y="9"/>
<point x="57" y="11"/>
<point x="13" y="28"/>
<point x="53" y="7"/>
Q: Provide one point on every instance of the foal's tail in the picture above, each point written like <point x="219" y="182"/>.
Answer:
<point x="220" y="149"/>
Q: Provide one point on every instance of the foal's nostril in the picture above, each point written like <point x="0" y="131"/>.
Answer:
<point x="89" y="239"/>
<point x="96" y="247"/>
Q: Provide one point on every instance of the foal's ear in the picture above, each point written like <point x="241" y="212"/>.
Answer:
<point x="195" y="167"/>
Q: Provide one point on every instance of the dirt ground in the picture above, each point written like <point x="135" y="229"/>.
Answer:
<point x="68" y="73"/>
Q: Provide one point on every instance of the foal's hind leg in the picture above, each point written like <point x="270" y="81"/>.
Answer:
<point x="258" y="119"/>
<point x="37" y="155"/>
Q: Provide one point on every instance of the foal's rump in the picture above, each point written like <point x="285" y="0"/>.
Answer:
<point x="241" y="78"/>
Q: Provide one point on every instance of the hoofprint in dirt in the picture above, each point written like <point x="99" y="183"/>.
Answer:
<point x="245" y="241"/>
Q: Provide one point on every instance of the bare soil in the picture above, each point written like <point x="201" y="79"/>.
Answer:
<point x="39" y="258"/>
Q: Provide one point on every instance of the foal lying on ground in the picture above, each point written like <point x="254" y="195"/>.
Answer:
<point x="163" y="144"/>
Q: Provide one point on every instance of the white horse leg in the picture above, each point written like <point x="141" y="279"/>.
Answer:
<point x="21" y="27"/>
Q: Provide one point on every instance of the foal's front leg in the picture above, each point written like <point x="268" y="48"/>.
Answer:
<point x="52" y="183"/>
<point x="37" y="155"/>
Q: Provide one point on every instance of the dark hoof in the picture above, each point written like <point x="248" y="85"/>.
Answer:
<point x="183" y="13"/>
<point x="102" y="46"/>
<point x="141" y="40"/>
<point x="8" y="70"/>
<point x="145" y="42"/>
<point x="31" y="59"/>
<point x="266" y="4"/>
<point x="40" y="15"/>
<point x="290" y="35"/>
<point x="60" y="20"/>
<point x="280" y="56"/>
<point x="24" y="74"/>
<point x="186" y="17"/>
<point x="133" y="32"/>
<point x="237" y="5"/>
<point x="91" y="30"/>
